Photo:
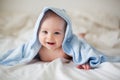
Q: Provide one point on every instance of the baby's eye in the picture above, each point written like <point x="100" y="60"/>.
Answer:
<point x="45" y="32"/>
<point x="57" y="33"/>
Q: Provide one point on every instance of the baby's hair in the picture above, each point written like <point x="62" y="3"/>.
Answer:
<point x="50" y="13"/>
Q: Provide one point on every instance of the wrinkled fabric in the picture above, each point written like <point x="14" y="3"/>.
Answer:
<point x="76" y="47"/>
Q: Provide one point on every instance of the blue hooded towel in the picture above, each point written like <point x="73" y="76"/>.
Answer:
<point x="79" y="49"/>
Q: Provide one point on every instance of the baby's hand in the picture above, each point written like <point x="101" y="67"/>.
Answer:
<point x="84" y="66"/>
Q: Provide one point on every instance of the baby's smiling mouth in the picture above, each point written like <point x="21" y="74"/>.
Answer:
<point x="50" y="43"/>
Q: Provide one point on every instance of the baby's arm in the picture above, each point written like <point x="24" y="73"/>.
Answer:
<point x="85" y="66"/>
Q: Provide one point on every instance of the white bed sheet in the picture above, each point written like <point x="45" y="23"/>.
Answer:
<point x="58" y="70"/>
<point x="16" y="29"/>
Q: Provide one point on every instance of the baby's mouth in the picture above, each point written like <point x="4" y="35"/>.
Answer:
<point x="50" y="43"/>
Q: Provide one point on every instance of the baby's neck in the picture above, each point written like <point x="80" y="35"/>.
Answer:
<point x="46" y="50"/>
<point x="48" y="55"/>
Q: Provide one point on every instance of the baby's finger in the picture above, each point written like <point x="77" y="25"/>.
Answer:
<point x="79" y="67"/>
<point x="87" y="66"/>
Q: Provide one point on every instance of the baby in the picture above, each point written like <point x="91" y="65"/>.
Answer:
<point x="53" y="38"/>
<point x="51" y="35"/>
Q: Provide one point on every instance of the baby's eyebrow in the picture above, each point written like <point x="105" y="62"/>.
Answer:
<point x="44" y="29"/>
<point x="59" y="30"/>
<point x="56" y="30"/>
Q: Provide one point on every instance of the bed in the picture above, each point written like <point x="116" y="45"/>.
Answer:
<point x="102" y="31"/>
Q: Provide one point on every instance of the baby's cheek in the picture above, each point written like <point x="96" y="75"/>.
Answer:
<point x="41" y="41"/>
<point x="41" y="38"/>
<point x="61" y="41"/>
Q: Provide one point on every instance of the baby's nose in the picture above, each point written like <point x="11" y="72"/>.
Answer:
<point x="50" y="36"/>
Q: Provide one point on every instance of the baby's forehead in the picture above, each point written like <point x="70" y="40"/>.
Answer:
<point x="51" y="14"/>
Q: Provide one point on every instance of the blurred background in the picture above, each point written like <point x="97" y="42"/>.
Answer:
<point x="34" y="6"/>
<point x="99" y="19"/>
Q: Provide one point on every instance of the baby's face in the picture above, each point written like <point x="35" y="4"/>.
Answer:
<point x="52" y="32"/>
